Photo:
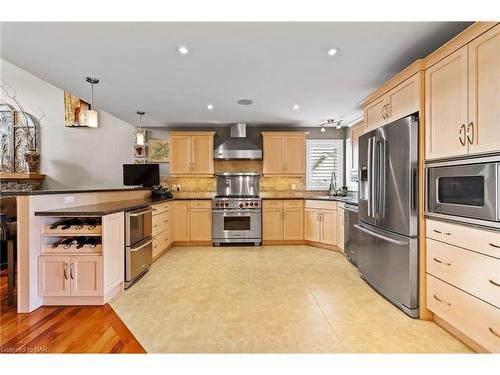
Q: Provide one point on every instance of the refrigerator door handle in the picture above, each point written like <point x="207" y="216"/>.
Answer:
<point x="382" y="237"/>
<point x="374" y="184"/>
<point x="370" y="177"/>
<point x="381" y="159"/>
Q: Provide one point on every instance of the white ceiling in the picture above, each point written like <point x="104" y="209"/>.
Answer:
<point x="276" y="65"/>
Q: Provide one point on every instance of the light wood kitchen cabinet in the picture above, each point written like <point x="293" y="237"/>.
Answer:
<point x="201" y="224"/>
<point x="162" y="228"/>
<point x="312" y="225"/>
<point x="340" y="229"/>
<point x="193" y="221"/>
<point x="283" y="220"/>
<point x="484" y="93"/>
<point x="191" y="153"/>
<point x="374" y="114"/>
<point x="321" y="222"/>
<point x="284" y="153"/>
<point x="462" y="96"/>
<point x="446" y="106"/>
<point x="182" y="221"/>
<point x="53" y="276"/>
<point x="77" y="276"/>
<point x="398" y="102"/>
<point x="86" y="275"/>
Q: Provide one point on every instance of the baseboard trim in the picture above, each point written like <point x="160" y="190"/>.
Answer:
<point x="283" y="242"/>
<point x="192" y="243"/>
<point x="459" y="335"/>
<point x="324" y="246"/>
<point x="73" y="301"/>
<point x="160" y="254"/>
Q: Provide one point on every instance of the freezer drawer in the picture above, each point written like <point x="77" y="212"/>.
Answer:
<point x="389" y="263"/>
<point x="138" y="258"/>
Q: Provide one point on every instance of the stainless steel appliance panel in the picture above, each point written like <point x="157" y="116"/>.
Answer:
<point x="238" y="184"/>
<point x="465" y="190"/>
<point x="389" y="263"/>
<point x="388" y="159"/>
<point x="138" y="225"/>
<point x="138" y="258"/>
<point x="351" y="233"/>
<point x="236" y="225"/>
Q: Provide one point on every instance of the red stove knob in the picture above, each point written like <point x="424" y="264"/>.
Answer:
<point x="226" y="204"/>
<point x="256" y="204"/>
<point x="246" y="204"/>
<point x="251" y="203"/>
<point x="241" y="205"/>
<point x="217" y="204"/>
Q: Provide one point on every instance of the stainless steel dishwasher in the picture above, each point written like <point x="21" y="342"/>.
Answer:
<point x="351" y="233"/>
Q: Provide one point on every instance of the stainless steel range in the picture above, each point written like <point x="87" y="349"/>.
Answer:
<point x="237" y="209"/>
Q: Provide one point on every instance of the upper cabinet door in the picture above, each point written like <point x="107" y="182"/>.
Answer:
<point x="180" y="154"/>
<point x="403" y="100"/>
<point x="202" y="158"/>
<point x="295" y="155"/>
<point x="484" y="92"/>
<point x="274" y="162"/>
<point x="446" y="106"/>
<point x="375" y="114"/>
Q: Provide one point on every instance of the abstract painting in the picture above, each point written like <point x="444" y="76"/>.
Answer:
<point x="73" y="108"/>
<point x="159" y="151"/>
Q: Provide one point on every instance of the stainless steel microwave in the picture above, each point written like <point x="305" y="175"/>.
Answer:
<point x="466" y="190"/>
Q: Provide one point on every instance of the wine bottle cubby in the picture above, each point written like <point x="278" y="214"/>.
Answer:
<point x="73" y="226"/>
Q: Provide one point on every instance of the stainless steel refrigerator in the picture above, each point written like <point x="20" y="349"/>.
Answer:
<point x="387" y="219"/>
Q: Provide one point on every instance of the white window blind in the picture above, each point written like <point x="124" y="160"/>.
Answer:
<point x="324" y="157"/>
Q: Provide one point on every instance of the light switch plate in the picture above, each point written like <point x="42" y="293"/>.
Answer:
<point x="69" y="199"/>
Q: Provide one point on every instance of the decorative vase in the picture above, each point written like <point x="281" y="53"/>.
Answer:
<point x="32" y="158"/>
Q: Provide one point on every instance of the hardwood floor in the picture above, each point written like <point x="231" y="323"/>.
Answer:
<point x="54" y="329"/>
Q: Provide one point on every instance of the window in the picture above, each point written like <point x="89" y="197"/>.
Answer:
<point x="323" y="158"/>
<point x="351" y="165"/>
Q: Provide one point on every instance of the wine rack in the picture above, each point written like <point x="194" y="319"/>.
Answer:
<point x="72" y="235"/>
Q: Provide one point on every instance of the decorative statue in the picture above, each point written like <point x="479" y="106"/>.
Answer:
<point x="19" y="133"/>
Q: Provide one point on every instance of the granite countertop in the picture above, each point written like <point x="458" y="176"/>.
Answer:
<point x="102" y="209"/>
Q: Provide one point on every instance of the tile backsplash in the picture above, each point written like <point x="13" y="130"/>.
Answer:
<point x="208" y="184"/>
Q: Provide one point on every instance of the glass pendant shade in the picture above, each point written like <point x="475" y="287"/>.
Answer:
<point x="140" y="138"/>
<point x="92" y="119"/>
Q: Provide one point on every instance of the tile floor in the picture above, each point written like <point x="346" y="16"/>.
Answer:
<point x="273" y="299"/>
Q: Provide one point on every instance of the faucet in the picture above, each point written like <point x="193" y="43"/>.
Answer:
<point x="333" y="183"/>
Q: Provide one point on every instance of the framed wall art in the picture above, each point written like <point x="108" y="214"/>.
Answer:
<point x="159" y="151"/>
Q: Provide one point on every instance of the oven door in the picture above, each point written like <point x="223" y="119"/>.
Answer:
<point x="469" y="191"/>
<point x="236" y="225"/>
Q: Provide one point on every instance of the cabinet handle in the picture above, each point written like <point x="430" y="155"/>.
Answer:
<point x="65" y="270"/>
<point x="493" y="245"/>
<point x="440" y="300"/>
<point x="444" y="233"/>
<point x="387" y="115"/>
<point x="383" y="111"/>
<point x="494" y="283"/>
<point x="71" y="271"/>
<point x="440" y="261"/>
<point x="461" y="137"/>
<point x="493" y="332"/>
<point x="471" y="126"/>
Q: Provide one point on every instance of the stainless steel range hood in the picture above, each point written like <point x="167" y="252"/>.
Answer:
<point x="238" y="147"/>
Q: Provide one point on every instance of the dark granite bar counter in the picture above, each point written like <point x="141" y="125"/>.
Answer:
<point x="6" y="193"/>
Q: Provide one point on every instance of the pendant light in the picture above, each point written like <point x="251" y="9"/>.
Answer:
<point x="91" y="113"/>
<point x="140" y="133"/>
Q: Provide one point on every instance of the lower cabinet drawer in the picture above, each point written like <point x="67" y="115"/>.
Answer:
<point x="160" y="242"/>
<point x="326" y="205"/>
<point x="475" y="273"/>
<point x="480" y="240"/>
<point x="293" y="203"/>
<point x="476" y="319"/>
<point x="160" y="223"/>
<point x="272" y="203"/>
<point x="161" y="207"/>
<point x="201" y="204"/>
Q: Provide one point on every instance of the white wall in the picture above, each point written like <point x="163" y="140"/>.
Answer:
<point x="71" y="157"/>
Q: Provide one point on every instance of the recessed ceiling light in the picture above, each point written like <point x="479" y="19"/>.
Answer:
<point x="332" y="51"/>
<point x="183" y="50"/>
<point x="296" y="106"/>
<point x="339" y="127"/>
<point x="323" y="129"/>
<point x="245" y="102"/>
<point x="210" y="107"/>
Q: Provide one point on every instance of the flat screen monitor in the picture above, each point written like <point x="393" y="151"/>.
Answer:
<point x="141" y="174"/>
